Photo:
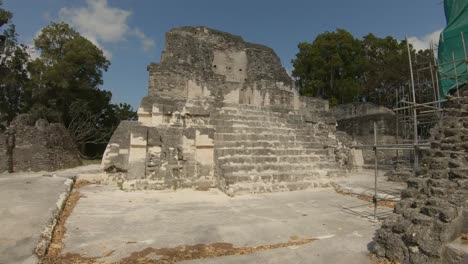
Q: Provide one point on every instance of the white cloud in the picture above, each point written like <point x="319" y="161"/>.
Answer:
<point x="93" y="39"/>
<point x="147" y="43"/>
<point x="33" y="52"/>
<point x="98" y="20"/>
<point x="102" y="24"/>
<point x="421" y="43"/>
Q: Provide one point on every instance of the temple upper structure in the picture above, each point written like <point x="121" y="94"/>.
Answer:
<point x="222" y="112"/>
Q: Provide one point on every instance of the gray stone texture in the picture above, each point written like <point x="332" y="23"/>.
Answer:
<point x="118" y="147"/>
<point x="3" y="152"/>
<point x="430" y="214"/>
<point x="357" y="120"/>
<point x="36" y="146"/>
<point x="222" y="112"/>
<point x="192" y="53"/>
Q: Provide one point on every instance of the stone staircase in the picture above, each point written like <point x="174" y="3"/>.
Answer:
<point x="262" y="149"/>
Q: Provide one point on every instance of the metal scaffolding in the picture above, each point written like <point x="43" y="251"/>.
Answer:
<point x="419" y="106"/>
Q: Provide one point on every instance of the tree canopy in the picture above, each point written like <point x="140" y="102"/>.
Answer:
<point x="343" y="69"/>
<point x="14" y="97"/>
<point x="69" y="68"/>
<point x="61" y="85"/>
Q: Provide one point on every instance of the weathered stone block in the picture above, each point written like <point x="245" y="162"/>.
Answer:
<point x="30" y="145"/>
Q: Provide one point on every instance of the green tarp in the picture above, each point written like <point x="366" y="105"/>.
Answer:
<point x="451" y="45"/>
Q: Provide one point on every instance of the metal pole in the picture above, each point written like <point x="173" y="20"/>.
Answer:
<point x="436" y="74"/>
<point x="376" y="171"/>
<point x="432" y="79"/>
<point x="415" y="121"/>
<point x="464" y="50"/>
<point x="396" y="123"/>
<point x="422" y="105"/>
<point x="456" y="75"/>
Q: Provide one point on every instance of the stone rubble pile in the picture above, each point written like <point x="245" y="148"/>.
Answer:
<point x="430" y="214"/>
<point x="36" y="145"/>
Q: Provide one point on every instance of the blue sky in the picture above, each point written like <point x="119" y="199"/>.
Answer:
<point x="132" y="32"/>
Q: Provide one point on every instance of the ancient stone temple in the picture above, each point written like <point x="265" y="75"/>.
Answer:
<point x="221" y="112"/>
<point x="36" y="145"/>
<point x="433" y="211"/>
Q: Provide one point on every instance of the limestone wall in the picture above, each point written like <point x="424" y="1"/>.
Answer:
<point x="430" y="214"/>
<point x="3" y="153"/>
<point x="170" y="147"/>
<point x="202" y="63"/>
<point x="40" y="146"/>
<point x="214" y="60"/>
<point x="357" y="120"/>
<point x="115" y="156"/>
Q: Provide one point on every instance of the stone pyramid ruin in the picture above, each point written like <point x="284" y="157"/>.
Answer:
<point x="222" y="112"/>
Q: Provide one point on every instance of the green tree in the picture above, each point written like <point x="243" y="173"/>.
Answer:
<point x="94" y="121"/>
<point x="14" y="97"/>
<point x="124" y="111"/>
<point x="69" y="66"/>
<point x="330" y="67"/>
<point x="343" y="69"/>
<point x="387" y="68"/>
<point x="66" y="78"/>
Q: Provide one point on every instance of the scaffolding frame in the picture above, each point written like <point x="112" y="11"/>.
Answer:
<point x="419" y="107"/>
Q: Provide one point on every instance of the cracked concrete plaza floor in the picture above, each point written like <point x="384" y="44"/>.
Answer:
<point x="28" y="205"/>
<point x="108" y="225"/>
<point x="103" y="224"/>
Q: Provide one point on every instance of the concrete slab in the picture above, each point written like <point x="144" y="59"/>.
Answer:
<point x="109" y="224"/>
<point x="362" y="183"/>
<point x="28" y="204"/>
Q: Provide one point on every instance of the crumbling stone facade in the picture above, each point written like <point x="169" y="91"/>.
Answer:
<point x="430" y="214"/>
<point x="357" y="120"/>
<point x="221" y="112"/>
<point x="29" y="145"/>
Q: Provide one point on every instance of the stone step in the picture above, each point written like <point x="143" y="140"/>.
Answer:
<point x="249" y="123"/>
<point x="262" y="121"/>
<point x="253" y="188"/>
<point x="256" y="130"/>
<point x="276" y="144"/>
<point x="223" y="152"/>
<point x="271" y="130"/>
<point x="260" y="118"/>
<point x="241" y="112"/>
<point x="269" y="144"/>
<point x="257" y="115"/>
<point x="245" y="107"/>
<point x="253" y="137"/>
<point x="241" y="159"/>
<point x="300" y="135"/>
<point x="250" y="168"/>
<point x="273" y="177"/>
<point x="265" y="136"/>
